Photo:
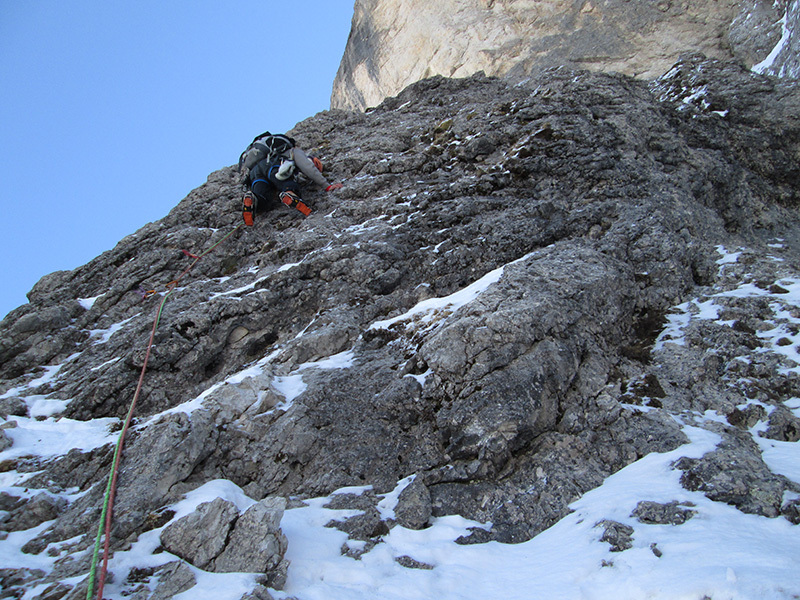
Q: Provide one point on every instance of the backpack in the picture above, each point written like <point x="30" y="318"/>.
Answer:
<point x="265" y="146"/>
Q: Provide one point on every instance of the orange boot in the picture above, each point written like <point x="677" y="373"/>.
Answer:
<point x="292" y="200"/>
<point x="249" y="208"/>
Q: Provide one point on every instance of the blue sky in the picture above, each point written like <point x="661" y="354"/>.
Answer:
<point x="112" y="112"/>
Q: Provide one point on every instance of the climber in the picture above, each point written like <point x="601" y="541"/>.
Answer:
<point x="270" y="165"/>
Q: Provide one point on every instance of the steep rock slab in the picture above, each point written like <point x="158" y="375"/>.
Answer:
<point x="394" y="43"/>
<point x="477" y="307"/>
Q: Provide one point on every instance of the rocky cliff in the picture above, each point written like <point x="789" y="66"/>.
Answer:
<point x="520" y="291"/>
<point x="394" y="43"/>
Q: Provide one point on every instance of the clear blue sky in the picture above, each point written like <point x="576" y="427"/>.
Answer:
<point x="111" y="112"/>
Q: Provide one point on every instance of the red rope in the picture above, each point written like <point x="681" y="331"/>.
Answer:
<point x="171" y="286"/>
<point x="115" y="467"/>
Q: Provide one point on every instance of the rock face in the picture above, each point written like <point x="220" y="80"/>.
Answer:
<point x="486" y="310"/>
<point x="394" y="43"/>
<point x="215" y="538"/>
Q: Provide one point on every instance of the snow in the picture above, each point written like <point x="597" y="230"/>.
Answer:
<point x="44" y="406"/>
<point x="249" y="288"/>
<point x="290" y="387"/>
<point x="288" y="266"/>
<point x="719" y="553"/>
<point x="427" y="310"/>
<point x="786" y="34"/>
<point x="794" y="405"/>
<point x="781" y="339"/>
<point x="12" y="557"/>
<point x="240" y="290"/>
<point x="39" y="405"/>
<point x="217" y="586"/>
<point x="105" y="364"/>
<point x="389" y="503"/>
<point x="50" y="437"/>
<point x="50" y="373"/>
<point x="343" y="360"/>
<point x="210" y="491"/>
<point x="728" y="257"/>
<point x="422" y="377"/>
<point x="365" y="227"/>
<point x="105" y="334"/>
<point x="782" y="458"/>
<point x="88" y="303"/>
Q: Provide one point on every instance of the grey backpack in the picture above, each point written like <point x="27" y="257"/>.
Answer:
<point x="265" y="146"/>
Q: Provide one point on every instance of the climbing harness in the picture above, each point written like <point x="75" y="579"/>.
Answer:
<point x="108" y="502"/>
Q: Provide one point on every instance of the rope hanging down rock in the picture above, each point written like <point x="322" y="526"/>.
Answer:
<point x="108" y="502"/>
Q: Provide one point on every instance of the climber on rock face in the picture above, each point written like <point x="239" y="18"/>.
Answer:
<point x="271" y="164"/>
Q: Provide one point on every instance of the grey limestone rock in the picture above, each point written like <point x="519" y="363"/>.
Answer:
<point x="413" y="508"/>
<point x="783" y="425"/>
<point x="35" y="511"/>
<point x="5" y="441"/>
<point x="390" y="46"/>
<point x="201" y="536"/>
<point x="368" y="525"/>
<point x="554" y="224"/>
<point x="170" y="580"/>
<point x="257" y="544"/>
<point x="215" y="537"/>
<point x="654" y="513"/>
<point x="735" y="474"/>
<point x="619" y="535"/>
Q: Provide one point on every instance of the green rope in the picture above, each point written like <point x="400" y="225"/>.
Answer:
<point x="229" y="234"/>
<point x="107" y="500"/>
<point x="112" y="474"/>
<point x="100" y="529"/>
